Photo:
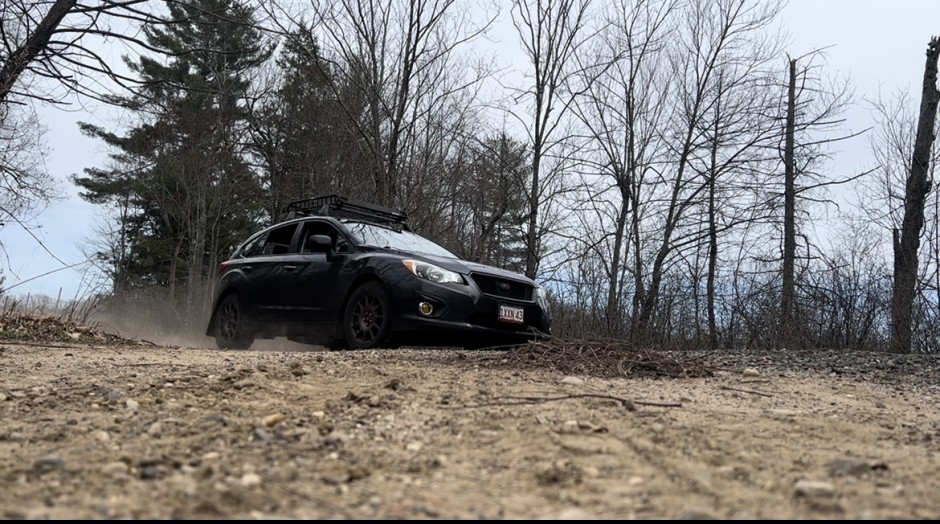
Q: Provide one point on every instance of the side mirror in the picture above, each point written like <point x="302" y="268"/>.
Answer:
<point x="320" y="243"/>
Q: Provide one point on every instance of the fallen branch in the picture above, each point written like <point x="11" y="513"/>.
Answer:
<point x="751" y="391"/>
<point x="629" y="404"/>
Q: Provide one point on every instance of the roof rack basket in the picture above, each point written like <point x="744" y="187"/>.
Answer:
<point x="343" y="207"/>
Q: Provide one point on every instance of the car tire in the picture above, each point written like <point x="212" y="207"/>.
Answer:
<point x="231" y="326"/>
<point x="366" y="319"/>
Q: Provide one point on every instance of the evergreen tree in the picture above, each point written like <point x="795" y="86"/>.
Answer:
<point x="300" y="134"/>
<point x="180" y="180"/>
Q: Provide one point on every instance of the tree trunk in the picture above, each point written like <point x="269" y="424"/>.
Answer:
<point x="713" y="236"/>
<point x="787" y="332"/>
<point x="907" y="240"/>
<point x="19" y="59"/>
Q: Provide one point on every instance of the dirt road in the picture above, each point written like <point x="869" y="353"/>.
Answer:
<point x="136" y="431"/>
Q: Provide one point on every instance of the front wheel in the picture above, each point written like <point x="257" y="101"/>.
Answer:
<point x="231" y="326"/>
<point x="366" y="318"/>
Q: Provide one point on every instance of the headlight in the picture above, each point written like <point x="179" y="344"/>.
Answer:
<point x="432" y="272"/>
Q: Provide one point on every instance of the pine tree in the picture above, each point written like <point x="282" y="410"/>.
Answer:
<point x="180" y="180"/>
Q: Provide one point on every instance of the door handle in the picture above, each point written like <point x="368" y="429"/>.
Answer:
<point x="290" y="267"/>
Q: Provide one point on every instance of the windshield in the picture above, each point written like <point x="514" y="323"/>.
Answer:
<point x="378" y="236"/>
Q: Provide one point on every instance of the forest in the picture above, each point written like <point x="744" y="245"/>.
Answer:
<point x="662" y="167"/>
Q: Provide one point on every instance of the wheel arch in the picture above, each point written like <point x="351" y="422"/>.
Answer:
<point x="212" y="329"/>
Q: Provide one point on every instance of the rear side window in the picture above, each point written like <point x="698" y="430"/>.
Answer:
<point x="253" y="247"/>
<point x="275" y="242"/>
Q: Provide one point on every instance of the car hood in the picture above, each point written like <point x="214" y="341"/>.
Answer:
<point x="465" y="267"/>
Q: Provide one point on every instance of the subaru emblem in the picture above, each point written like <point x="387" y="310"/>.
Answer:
<point x="504" y="286"/>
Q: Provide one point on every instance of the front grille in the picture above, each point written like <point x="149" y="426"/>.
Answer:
<point x="503" y="288"/>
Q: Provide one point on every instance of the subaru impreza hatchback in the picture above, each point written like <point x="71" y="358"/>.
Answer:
<point x="350" y="274"/>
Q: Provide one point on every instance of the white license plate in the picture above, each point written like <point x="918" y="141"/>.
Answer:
<point x="511" y="314"/>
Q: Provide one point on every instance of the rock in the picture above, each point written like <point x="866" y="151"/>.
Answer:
<point x="574" y="514"/>
<point x="102" y="436"/>
<point x="114" y="468"/>
<point x="750" y="372"/>
<point x="155" y="429"/>
<point x="780" y="413"/>
<point x="572" y="380"/>
<point x="3" y="397"/>
<point x="414" y="446"/>
<point x="48" y="463"/>
<point x="694" y="513"/>
<point x="132" y="404"/>
<point x="814" y="488"/>
<point x="880" y="405"/>
<point x="251" y="479"/>
<point x="148" y="472"/>
<point x="260" y="435"/>
<point x="271" y="420"/>
<point x="849" y="466"/>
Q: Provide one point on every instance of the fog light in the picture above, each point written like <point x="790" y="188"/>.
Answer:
<point x="425" y="308"/>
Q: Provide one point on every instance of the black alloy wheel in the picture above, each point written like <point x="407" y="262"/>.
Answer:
<point x="366" y="320"/>
<point x="231" y="332"/>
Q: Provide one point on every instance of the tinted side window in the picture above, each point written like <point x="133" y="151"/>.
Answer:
<point x="318" y="227"/>
<point x="278" y="240"/>
<point x="253" y="247"/>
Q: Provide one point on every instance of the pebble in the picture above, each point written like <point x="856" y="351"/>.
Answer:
<point x="261" y="435"/>
<point x="3" y="397"/>
<point x="271" y="420"/>
<point x="750" y="372"/>
<point x="572" y="380"/>
<point x="102" y="436"/>
<point x="48" y="463"/>
<point x="251" y="479"/>
<point x="849" y="466"/>
<point x="114" y="468"/>
<point x="780" y="413"/>
<point x="155" y="429"/>
<point x="574" y="514"/>
<point x="132" y="404"/>
<point x="697" y="514"/>
<point x="814" y="488"/>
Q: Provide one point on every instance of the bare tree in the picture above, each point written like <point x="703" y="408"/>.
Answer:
<point x="553" y="39"/>
<point x="622" y="113"/>
<point x="24" y="183"/>
<point x="390" y="63"/>
<point x="713" y="35"/>
<point x="49" y="45"/>
<point x="811" y="116"/>
<point x="907" y="240"/>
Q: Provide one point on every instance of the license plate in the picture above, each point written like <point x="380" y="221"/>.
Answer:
<point x="511" y="314"/>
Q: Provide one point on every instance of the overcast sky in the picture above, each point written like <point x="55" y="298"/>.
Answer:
<point x="878" y="44"/>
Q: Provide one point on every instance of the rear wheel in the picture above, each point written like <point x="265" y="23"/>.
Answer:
<point x="366" y="318"/>
<point x="231" y="326"/>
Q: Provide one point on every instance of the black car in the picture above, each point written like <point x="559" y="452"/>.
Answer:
<point x="350" y="274"/>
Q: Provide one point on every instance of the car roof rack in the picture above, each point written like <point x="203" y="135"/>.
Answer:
<point x="343" y="207"/>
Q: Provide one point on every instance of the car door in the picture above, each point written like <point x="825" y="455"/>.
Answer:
<point x="269" y="274"/>
<point x="315" y="284"/>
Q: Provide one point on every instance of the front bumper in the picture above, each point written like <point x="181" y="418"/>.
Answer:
<point x="463" y="315"/>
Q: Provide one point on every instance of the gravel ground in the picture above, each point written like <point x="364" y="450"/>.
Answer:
<point x="97" y="429"/>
